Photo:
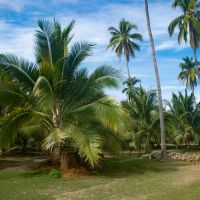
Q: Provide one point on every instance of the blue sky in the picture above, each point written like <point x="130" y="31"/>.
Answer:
<point x="18" y="21"/>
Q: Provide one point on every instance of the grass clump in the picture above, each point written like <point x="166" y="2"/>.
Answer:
<point x="55" y="173"/>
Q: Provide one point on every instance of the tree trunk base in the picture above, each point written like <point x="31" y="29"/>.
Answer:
<point x="55" y="155"/>
<point x="68" y="161"/>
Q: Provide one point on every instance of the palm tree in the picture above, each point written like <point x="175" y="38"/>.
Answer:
<point x="188" y="23"/>
<point x="162" y="127"/>
<point x="128" y="83"/>
<point x="123" y="41"/>
<point x="55" y="95"/>
<point x="144" y="113"/>
<point x="185" y="118"/>
<point x="189" y="73"/>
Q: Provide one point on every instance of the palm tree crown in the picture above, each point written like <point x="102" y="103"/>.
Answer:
<point x="184" y="117"/>
<point x="122" y="40"/>
<point x="187" y="23"/>
<point x="144" y="112"/>
<point x="128" y="84"/>
<point x="189" y="73"/>
<point x="57" y="97"/>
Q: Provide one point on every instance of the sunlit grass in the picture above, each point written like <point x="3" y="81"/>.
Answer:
<point x="120" y="178"/>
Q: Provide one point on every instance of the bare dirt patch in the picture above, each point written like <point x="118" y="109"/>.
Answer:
<point x="191" y="175"/>
<point x="21" y="163"/>
<point x="83" y="193"/>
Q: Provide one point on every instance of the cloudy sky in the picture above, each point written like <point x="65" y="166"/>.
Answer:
<point x="18" y="21"/>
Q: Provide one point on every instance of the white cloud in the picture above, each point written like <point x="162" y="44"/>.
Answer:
<point x="93" y="26"/>
<point x="171" y="44"/>
<point x="140" y="75"/>
<point x="172" y="87"/>
<point x="16" y="5"/>
<point x="17" y="40"/>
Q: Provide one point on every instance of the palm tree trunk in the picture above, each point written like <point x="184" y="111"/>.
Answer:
<point x="195" y="57"/>
<point x="163" y="144"/>
<point x="55" y="155"/>
<point x="68" y="161"/>
<point x="129" y="76"/>
<point x="128" y="71"/>
<point x="24" y="141"/>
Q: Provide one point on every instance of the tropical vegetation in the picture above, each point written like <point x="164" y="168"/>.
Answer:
<point x="129" y="85"/>
<point x="57" y="105"/>
<point x="187" y="23"/>
<point x="184" y="116"/>
<point x="189" y="74"/>
<point x="58" y="99"/>
<point x="123" y="42"/>
<point x="144" y="112"/>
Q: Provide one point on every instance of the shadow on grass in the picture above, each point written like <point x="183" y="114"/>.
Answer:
<point x="13" y="174"/>
<point x="21" y="161"/>
<point x="118" y="167"/>
<point x="126" y="166"/>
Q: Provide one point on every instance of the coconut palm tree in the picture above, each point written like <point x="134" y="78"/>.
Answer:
<point x="188" y="23"/>
<point x="61" y="99"/>
<point x="185" y="118"/>
<point x="123" y="41"/>
<point x="128" y="83"/>
<point x="189" y="73"/>
<point x="144" y="113"/>
<point x="162" y="127"/>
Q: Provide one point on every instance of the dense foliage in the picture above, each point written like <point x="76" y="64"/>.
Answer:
<point x="58" y="99"/>
<point x="57" y="105"/>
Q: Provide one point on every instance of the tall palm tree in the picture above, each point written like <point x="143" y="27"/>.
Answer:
<point x="188" y="23"/>
<point x="61" y="99"/>
<point x="162" y="127"/>
<point x="189" y="73"/>
<point x="128" y="84"/>
<point x="123" y="41"/>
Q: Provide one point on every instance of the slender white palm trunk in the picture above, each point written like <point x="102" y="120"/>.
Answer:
<point x="162" y="129"/>
<point x="195" y="57"/>
<point x="129" y="77"/>
<point x="128" y="71"/>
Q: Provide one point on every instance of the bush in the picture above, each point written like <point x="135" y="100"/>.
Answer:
<point x="55" y="173"/>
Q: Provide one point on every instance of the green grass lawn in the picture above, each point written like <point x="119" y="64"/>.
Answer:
<point x="125" y="178"/>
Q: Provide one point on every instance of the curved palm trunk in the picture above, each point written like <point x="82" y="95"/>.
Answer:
<point x="163" y="144"/>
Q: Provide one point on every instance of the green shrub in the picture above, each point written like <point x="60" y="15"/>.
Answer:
<point x="55" y="173"/>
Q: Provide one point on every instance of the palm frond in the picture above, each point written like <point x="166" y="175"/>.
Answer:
<point x="20" y="69"/>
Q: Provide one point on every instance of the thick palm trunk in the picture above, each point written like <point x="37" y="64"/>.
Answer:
<point x="55" y="155"/>
<point x="56" y="152"/>
<point x="68" y="161"/>
<point x="162" y="129"/>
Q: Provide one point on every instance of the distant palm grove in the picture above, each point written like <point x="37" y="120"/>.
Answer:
<point x="56" y="106"/>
